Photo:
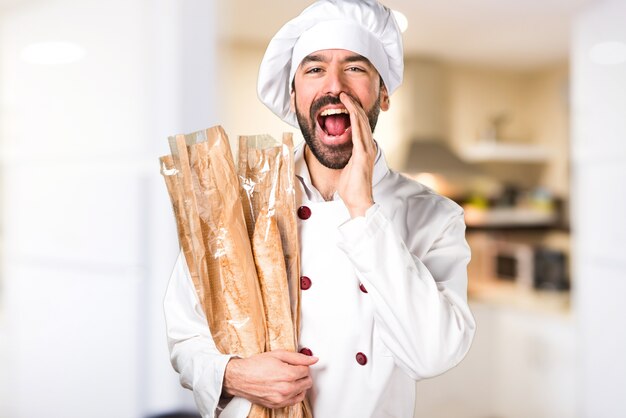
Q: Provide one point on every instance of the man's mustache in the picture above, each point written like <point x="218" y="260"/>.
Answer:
<point x="328" y="100"/>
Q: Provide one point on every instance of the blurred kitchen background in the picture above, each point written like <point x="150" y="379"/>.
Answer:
<point x="514" y="108"/>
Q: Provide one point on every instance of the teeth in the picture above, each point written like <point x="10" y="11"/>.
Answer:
<point x="329" y="112"/>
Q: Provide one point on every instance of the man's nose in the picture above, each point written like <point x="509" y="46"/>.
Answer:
<point x="334" y="83"/>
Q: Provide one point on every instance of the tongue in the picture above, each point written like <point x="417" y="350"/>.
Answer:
<point x="336" y="124"/>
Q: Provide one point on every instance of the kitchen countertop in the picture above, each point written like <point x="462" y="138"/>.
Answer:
<point x="511" y="295"/>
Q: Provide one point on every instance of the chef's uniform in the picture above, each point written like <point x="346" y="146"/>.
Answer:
<point x="383" y="302"/>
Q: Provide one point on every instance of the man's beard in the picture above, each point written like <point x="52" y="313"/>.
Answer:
<point x="331" y="156"/>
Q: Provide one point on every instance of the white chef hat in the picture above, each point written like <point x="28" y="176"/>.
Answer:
<point x="362" y="26"/>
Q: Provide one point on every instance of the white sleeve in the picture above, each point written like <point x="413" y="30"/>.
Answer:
<point x="420" y="304"/>
<point x="192" y="350"/>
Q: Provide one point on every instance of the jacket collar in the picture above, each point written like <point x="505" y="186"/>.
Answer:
<point x="302" y="172"/>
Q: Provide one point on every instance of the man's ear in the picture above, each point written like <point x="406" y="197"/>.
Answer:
<point x="292" y="101"/>
<point x="384" y="98"/>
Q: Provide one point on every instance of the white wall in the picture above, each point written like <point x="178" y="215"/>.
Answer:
<point x="599" y="205"/>
<point x="242" y="113"/>
<point x="88" y="238"/>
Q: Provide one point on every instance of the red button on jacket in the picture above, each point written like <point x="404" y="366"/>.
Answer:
<point x="305" y="283"/>
<point x="363" y="289"/>
<point x="306" y="351"/>
<point x="361" y="359"/>
<point x="304" y="212"/>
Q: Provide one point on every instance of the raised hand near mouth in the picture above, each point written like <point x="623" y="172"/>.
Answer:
<point x="355" y="182"/>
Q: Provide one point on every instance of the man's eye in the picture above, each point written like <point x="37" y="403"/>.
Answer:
<point x="356" y="69"/>
<point x="313" y="70"/>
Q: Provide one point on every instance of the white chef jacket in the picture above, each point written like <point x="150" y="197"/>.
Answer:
<point x="384" y="301"/>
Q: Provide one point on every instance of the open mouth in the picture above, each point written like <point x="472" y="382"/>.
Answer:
<point x="334" y="122"/>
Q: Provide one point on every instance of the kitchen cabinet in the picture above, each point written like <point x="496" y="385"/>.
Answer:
<point x="535" y="362"/>
<point x="484" y="152"/>
<point x="522" y="364"/>
<point x="513" y="124"/>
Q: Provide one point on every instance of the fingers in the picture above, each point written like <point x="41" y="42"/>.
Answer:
<point x="353" y="110"/>
<point x="361" y="130"/>
<point x="302" y="385"/>
<point x="297" y="364"/>
<point x="294" y="359"/>
<point x="292" y="394"/>
<point x="273" y="379"/>
<point x="298" y="372"/>
<point x="296" y="399"/>
<point x="282" y="403"/>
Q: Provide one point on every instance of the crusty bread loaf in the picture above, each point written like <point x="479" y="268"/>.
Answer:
<point x="239" y="237"/>
<point x="288" y="226"/>
<point x="174" y="188"/>
<point x="267" y="182"/>
<point x="270" y="267"/>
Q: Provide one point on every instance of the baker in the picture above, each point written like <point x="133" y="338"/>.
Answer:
<point x="383" y="258"/>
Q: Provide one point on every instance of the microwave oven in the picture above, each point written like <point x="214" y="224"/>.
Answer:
<point x="511" y="262"/>
<point x="525" y="265"/>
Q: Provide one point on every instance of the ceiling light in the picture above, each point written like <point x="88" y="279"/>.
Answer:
<point x="52" y="53"/>
<point x="403" y="22"/>
<point x="608" y="53"/>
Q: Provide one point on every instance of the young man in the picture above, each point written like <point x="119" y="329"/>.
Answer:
<point x="383" y="259"/>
